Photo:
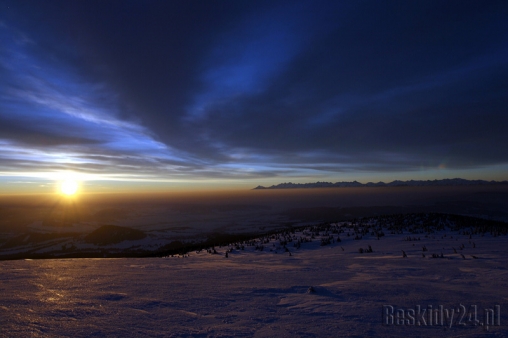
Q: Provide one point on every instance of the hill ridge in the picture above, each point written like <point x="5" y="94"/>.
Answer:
<point x="395" y="183"/>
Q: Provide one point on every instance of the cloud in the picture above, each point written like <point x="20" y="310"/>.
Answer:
<point x="256" y="90"/>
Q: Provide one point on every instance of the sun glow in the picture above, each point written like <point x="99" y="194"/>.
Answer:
<point x="69" y="187"/>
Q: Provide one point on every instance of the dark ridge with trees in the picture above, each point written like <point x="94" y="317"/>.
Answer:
<point x="326" y="233"/>
<point x="329" y="232"/>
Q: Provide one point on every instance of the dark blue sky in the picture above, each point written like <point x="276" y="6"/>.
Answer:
<point x="171" y="93"/>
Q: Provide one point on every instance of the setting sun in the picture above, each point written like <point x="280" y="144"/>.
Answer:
<point x="69" y="187"/>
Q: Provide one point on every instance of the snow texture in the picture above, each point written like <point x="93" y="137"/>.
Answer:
<point x="326" y="291"/>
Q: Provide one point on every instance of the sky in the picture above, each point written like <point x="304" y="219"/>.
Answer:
<point x="161" y="95"/>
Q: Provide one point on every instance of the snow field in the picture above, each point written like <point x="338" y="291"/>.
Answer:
<point x="263" y="293"/>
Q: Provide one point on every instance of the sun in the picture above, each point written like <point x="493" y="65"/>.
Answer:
<point x="69" y="187"/>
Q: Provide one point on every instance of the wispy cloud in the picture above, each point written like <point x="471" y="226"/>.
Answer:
<point x="261" y="90"/>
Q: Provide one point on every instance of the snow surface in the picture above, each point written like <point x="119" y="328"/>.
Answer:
<point x="262" y="293"/>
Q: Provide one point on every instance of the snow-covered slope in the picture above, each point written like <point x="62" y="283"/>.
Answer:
<point x="330" y="291"/>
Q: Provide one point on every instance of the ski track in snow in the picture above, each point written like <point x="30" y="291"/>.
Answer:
<point x="261" y="294"/>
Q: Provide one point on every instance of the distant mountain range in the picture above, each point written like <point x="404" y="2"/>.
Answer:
<point x="396" y="183"/>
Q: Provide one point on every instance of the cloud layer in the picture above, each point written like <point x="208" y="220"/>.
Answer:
<point x="220" y="90"/>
